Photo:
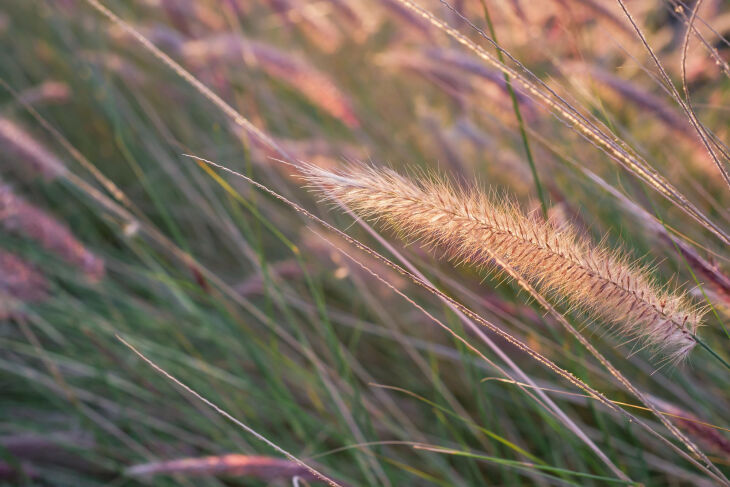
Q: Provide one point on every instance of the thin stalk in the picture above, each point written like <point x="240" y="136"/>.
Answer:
<point x="518" y="115"/>
<point x="691" y="271"/>
<point x="712" y="352"/>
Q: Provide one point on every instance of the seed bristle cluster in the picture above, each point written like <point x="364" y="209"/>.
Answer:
<point x="474" y="228"/>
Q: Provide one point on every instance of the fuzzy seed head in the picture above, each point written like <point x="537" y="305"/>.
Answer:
<point x="471" y="227"/>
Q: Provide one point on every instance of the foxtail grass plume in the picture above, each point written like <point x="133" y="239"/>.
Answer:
<point x="414" y="23"/>
<point x="460" y="75"/>
<point x="21" y="218"/>
<point x="318" y="88"/>
<point x="474" y="228"/>
<point x="312" y="19"/>
<point x="19" y="283"/>
<point x="230" y="465"/>
<point x="355" y="17"/>
<point x="48" y="92"/>
<point x="27" y="153"/>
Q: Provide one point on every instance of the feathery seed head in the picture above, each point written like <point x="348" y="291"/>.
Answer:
<point x="473" y="228"/>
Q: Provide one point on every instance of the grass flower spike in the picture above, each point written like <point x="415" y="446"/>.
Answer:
<point x="474" y="228"/>
<point x="19" y="217"/>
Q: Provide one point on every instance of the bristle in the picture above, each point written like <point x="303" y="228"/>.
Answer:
<point x="471" y="227"/>
<point x="19" y="217"/>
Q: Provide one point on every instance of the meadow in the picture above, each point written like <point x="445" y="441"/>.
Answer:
<point x="364" y="242"/>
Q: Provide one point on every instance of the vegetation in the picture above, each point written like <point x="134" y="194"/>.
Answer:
<point x="188" y="295"/>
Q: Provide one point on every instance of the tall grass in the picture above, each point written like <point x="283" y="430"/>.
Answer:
<point x="285" y="343"/>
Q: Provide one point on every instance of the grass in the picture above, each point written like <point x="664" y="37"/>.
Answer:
<point x="370" y="362"/>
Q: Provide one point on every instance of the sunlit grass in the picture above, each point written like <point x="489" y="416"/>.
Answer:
<point x="282" y="323"/>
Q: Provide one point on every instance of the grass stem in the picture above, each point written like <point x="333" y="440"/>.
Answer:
<point x="518" y="115"/>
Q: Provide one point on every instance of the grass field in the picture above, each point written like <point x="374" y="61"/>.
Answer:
<point x="189" y="296"/>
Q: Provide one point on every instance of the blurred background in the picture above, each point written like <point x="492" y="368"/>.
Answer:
<point x="107" y="228"/>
